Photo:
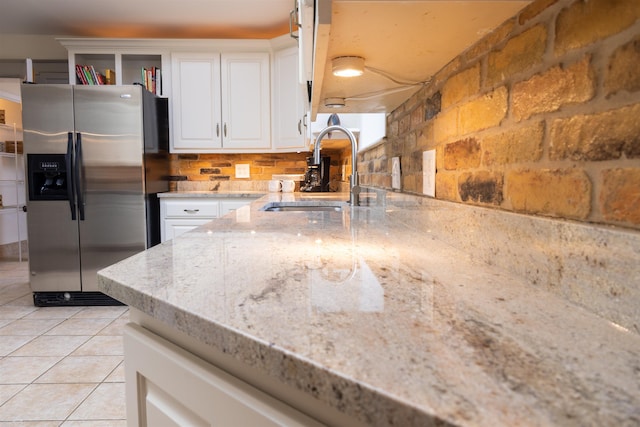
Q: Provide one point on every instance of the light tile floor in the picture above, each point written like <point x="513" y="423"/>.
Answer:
<point x="59" y="366"/>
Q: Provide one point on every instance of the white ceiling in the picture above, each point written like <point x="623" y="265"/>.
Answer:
<point x="147" y="18"/>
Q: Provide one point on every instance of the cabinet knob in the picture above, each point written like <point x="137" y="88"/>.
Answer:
<point x="300" y="126"/>
<point x="225" y="130"/>
<point x="217" y="129"/>
<point x="192" y="211"/>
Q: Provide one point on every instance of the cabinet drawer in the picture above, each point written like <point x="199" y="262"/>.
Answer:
<point x="192" y="208"/>
<point x="227" y="206"/>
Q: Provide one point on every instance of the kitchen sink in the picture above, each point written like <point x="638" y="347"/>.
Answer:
<point x="300" y="207"/>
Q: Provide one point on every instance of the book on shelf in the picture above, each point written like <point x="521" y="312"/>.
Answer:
<point x="152" y="79"/>
<point x="110" y="76"/>
<point x="87" y="75"/>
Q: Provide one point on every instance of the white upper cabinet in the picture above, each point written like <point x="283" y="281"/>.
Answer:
<point x="220" y="101"/>
<point x="226" y="96"/>
<point x="245" y="100"/>
<point x="289" y="103"/>
<point x="196" y="102"/>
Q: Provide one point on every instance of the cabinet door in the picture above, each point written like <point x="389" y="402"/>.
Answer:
<point x="245" y="100"/>
<point x="177" y="216"/>
<point x="288" y="102"/>
<point x="174" y="227"/>
<point x="196" y="101"/>
<point x="167" y="386"/>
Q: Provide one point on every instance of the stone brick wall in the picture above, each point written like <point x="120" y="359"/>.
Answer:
<point x="542" y="117"/>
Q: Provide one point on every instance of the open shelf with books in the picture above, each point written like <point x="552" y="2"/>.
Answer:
<point x="119" y="62"/>
<point x="93" y="68"/>
<point x="143" y="69"/>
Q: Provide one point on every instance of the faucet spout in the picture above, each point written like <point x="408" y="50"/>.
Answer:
<point x="354" y="187"/>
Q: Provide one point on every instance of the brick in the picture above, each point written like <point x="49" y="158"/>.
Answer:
<point x="552" y="89"/>
<point x="417" y="116"/>
<point x="534" y="9"/>
<point x="481" y="187"/>
<point x="425" y="137"/>
<point x="492" y="39"/>
<point x="445" y="125"/>
<point x="393" y="129"/>
<point x="622" y="72"/>
<point x="446" y="186"/>
<point x="461" y="85"/>
<point x="408" y="183"/>
<point x="463" y="154"/>
<point x="221" y="164"/>
<point x="405" y="125"/>
<point x="620" y="195"/>
<point x="187" y="156"/>
<point x="584" y="22"/>
<point x="446" y="71"/>
<point x="563" y="193"/>
<point x="209" y="171"/>
<point x="519" y="54"/>
<point x="483" y="112"/>
<point x="514" y="146"/>
<point x="603" y="136"/>
<point x="432" y="106"/>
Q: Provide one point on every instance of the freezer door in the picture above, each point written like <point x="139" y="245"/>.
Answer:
<point x="47" y="116"/>
<point x="109" y="142"/>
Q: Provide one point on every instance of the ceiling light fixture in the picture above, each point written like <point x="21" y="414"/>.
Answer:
<point x="347" y="66"/>
<point x="334" y="102"/>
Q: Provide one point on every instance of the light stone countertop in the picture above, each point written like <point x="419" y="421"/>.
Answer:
<point x="210" y="194"/>
<point x="384" y="321"/>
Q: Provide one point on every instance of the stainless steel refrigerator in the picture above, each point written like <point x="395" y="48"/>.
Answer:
<point x="96" y="157"/>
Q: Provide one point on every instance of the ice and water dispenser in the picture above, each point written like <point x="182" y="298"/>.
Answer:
<point x="48" y="178"/>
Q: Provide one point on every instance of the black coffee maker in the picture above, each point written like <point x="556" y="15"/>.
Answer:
<point x="316" y="179"/>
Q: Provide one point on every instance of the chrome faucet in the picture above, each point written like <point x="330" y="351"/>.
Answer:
<point x="354" y="187"/>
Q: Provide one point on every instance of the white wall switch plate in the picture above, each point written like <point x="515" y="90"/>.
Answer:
<point x="429" y="173"/>
<point x="395" y="173"/>
<point x="242" y="171"/>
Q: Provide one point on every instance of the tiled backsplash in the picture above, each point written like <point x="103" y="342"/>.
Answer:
<point x="216" y="172"/>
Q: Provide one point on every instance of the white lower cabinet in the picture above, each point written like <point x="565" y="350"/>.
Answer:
<point x="179" y="215"/>
<point x="168" y="386"/>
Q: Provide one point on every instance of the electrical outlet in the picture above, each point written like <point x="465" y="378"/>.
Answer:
<point x="429" y="173"/>
<point x="242" y="171"/>
<point x="395" y="173"/>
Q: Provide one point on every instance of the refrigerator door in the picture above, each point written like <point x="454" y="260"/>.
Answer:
<point x="47" y="114"/>
<point x="109" y="141"/>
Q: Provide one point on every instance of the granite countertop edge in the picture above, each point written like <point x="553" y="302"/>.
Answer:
<point x="371" y="402"/>
<point x="211" y="194"/>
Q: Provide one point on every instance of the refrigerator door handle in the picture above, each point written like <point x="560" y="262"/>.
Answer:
<point x="78" y="175"/>
<point x="69" y="160"/>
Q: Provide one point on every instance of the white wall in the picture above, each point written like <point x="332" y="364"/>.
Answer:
<point x="16" y="46"/>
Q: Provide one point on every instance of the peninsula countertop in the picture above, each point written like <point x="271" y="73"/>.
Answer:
<point x="384" y="322"/>
<point x="211" y="194"/>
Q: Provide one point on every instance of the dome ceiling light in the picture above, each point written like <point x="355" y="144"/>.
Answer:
<point x="347" y="66"/>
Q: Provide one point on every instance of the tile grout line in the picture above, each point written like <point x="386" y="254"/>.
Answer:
<point x="13" y="285"/>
